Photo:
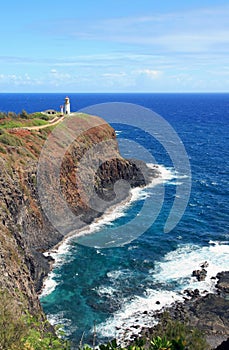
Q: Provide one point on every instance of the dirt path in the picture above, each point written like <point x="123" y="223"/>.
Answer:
<point x="54" y="122"/>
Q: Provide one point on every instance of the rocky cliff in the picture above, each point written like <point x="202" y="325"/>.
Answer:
<point x="25" y="231"/>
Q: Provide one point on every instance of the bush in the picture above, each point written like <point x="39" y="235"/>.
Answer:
<point x="12" y="115"/>
<point x="10" y="140"/>
<point x="39" y="115"/>
<point x="2" y="150"/>
<point x="24" y="114"/>
<point x="159" y="343"/>
<point x="3" y="115"/>
<point x="45" y="117"/>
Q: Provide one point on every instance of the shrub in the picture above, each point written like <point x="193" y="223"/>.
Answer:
<point x="159" y="343"/>
<point x="2" y="150"/>
<point x="39" y="115"/>
<point x="10" y="140"/>
<point x="24" y="114"/>
<point x="12" y="115"/>
<point x="3" y="115"/>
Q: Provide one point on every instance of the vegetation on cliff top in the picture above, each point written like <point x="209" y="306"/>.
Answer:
<point x="12" y="120"/>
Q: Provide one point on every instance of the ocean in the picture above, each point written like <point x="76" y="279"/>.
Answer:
<point x="110" y="289"/>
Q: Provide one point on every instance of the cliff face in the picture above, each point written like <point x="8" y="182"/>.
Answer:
<point x="25" y="231"/>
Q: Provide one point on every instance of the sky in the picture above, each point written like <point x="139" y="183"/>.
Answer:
<point x="114" y="46"/>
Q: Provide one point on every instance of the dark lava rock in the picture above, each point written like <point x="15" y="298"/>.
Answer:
<point x="223" y="283"/>
<point x="224" y="345"/>
<point x="200" y="274"/>
<point x="204" y="264"/>
<point x="192" y="293"/>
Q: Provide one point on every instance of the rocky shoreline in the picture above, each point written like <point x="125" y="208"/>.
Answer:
<point x="208" y="312"/>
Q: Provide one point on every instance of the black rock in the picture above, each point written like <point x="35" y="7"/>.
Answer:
<point x="200" y="274"/>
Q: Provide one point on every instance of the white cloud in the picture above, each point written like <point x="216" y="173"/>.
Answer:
<point x="152" y="74"/>
<point x="16" y="79"/>
<point x="114" y="75"/>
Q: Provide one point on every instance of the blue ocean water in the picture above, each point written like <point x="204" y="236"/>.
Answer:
<point x="109" y="289"/>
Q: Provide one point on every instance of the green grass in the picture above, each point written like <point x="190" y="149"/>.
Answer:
<point x="82" y="115"/>
<point x="2" y="150"/>
<point x="10" y="124"/>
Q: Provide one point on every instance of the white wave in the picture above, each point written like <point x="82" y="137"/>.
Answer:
<point x="60" y="319"/>
<point x="175" y="183"/>
<point x="166" y="173"/>
<point x="133" y="247"/>
<point x="179" y="264"/>
<point x="49" y="285"/>
<point x="61" y="255"/>
<point x="113" y="275"/>
<point x="103" y="290"/>
<point x="173" y="272"/>
<point x="169" y="173"/>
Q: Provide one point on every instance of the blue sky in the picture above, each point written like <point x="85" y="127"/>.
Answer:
<point x="114" y="46"/>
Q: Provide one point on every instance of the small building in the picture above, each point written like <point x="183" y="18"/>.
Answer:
<point x="50" y="112"/>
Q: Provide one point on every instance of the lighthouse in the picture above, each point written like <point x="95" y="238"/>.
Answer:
<point x="67" y="105"/>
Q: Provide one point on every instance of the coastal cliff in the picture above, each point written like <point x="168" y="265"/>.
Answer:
<point x="25" y="231"/>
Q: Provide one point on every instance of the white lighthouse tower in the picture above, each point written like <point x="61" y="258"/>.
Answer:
<point x="67" y="105"/>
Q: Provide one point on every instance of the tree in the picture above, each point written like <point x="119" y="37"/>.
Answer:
<point x="24" y="114"/>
